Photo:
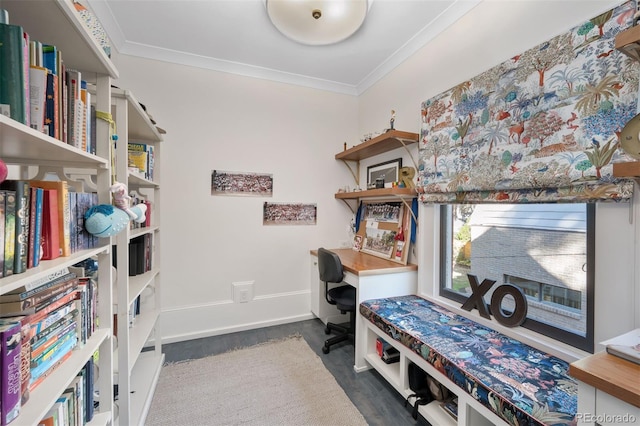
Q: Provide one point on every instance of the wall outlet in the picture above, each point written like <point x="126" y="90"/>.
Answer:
<point x="243" y="291"/>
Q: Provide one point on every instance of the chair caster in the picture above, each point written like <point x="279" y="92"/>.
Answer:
<point x="327" y="330"/>
<point x="325" y="349"/>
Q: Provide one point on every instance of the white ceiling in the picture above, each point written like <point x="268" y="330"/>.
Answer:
<point x="237" y="36"/>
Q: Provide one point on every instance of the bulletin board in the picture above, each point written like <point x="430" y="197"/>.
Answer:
<point x="385" y="230"/>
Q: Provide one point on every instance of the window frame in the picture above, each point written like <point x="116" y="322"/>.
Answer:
<point x="585" y="342"/>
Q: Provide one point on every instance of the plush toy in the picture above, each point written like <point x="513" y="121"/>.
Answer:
<point x="3" y="171"/>
<point x="105" y="220"/>
<point x="121" y="199"/>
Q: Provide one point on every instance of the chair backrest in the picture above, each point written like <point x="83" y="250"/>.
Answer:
<point x="329" y="266"/>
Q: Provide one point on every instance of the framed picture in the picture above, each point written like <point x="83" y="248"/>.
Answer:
<point x="241" y="183"/>
<point x="389" y="171"/>
<point x="385" y="230"/>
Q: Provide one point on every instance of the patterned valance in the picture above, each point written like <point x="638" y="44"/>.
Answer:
<point x="540" y="127"/>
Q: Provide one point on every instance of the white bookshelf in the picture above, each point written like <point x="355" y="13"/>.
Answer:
<point x="57" y="22"/>
<point x="139" y="351"/>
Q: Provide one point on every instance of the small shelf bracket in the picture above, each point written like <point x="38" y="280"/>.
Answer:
<point x="406" y="148"/>
<point x="353" y="209"/>
<point x="355" y="173"/>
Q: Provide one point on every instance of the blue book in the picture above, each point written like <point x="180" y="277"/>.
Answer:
<point x="35" y="234"/>
<point x="67" y="347"/>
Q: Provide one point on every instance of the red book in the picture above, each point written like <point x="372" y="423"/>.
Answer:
<point x="50" y="225"/>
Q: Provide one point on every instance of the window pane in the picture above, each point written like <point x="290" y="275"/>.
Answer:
<point x="540" y="248"/>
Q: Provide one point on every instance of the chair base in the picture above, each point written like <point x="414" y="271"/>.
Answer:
<point x="346" y="332"/>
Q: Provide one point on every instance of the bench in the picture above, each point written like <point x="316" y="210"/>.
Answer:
<point x="520" y="384"/>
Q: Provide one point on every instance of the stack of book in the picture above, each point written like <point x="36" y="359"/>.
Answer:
<point x="43" y="321"/>
<point x="41" y="220"/>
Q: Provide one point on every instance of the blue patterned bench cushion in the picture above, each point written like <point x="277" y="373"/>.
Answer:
<point x="521" y="384"/>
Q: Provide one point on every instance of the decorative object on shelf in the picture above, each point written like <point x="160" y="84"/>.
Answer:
<point x="317" y="22"/>
<point x="3" y="171"/>
<point x="393" y="119"/>
<point x="105" y="220"/>
<point x="122" y="201"/>
<point x="406" y="176"/>
<point x="388" y="171"/>
<point x="629" y="141"/>
<point x="95" y="28"/>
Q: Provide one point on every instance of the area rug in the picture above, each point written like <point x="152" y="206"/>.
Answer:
<point x="281" y="382"/>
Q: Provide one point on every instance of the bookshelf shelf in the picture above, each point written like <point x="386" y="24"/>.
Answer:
<point x="373" y="193"/>
<point x="56" y="22"/>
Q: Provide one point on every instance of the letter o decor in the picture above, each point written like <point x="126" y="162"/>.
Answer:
<point x="519" y="314"/>
<point x="476" y="300"/>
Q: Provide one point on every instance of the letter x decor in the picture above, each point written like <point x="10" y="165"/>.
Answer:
<point x="476" y="300"/>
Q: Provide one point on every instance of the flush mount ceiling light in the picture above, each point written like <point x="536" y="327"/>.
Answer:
<point x="317" y="22"/>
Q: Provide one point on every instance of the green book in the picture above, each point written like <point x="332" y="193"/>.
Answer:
<point x="13" y="101"/>
<point x="23" y="205"/>
<point x="9" y="232"/>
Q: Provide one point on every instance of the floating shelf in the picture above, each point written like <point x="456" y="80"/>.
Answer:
<point x="628" y="42"/>
<point x="385" y="142"/>
<point x="630" y="169"/>
<point x="382" y="192"/>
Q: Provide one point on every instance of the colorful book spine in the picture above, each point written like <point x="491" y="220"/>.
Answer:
<point x="2" y="225"/>
<point x="50" y="58"/>
<point x="9" y="232"/>
<point x="12" y="76"/>
<point x="37" y="229"/>
<point x="21" y="188"/>
<point x="50" y="225"/>
<point x="11" y="388"/>
<point x="64" y="212"/>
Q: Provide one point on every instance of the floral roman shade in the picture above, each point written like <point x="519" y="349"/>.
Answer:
<point x="542" y="126"/>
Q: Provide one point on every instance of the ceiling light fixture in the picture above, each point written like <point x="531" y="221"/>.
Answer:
<point x="317" y="22"/>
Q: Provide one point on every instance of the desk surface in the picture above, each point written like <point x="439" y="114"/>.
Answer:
<point x="611" y="374"/>
<point x="363" y="264"/>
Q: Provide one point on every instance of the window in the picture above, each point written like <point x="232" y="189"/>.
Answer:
<point x="546" y="250"/>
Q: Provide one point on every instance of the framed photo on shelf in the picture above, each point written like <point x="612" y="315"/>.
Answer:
<point x="389" y="171"/>
<point x="385" y="230"/>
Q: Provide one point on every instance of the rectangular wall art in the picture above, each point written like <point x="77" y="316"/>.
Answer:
<point x="241" y="183"/>
<point x="289" y="214"/>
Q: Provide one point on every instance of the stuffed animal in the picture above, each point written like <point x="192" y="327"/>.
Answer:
<point x="105" y="220"/>
<point x="3" y="171"/>
<point x="122" y="199"/>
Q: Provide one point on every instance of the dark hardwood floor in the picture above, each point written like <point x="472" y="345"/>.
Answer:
<point x="379" y="403"/>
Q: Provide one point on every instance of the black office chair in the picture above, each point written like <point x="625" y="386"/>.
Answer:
<point x="343" y="296"/>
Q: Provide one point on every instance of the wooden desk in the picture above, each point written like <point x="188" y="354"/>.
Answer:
<point x="373" y="277"/>
<point x="608" y="385"/>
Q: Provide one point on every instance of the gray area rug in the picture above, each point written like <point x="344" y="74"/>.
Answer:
<point x="280" y="382"/>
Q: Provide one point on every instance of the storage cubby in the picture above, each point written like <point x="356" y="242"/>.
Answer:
<point x="470" y="411"/>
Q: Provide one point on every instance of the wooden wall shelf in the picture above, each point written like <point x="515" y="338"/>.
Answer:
<point x="628" y="42"/>
<point x="385" y="142"/>
<point x="630" y="169"/>
<point x="382" y="192"/>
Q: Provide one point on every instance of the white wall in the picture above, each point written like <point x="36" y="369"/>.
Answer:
<point x="221" y="121"/>
<point x="217" y="120"/>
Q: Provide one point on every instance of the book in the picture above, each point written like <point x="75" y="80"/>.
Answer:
<point x="39" y="301"/>
<point x="35" y="382"/>
<point x="59" y="323"/>
<point x="64" y="213"/>
<point x="51" y="418"/>
<point x="12" y="76"/>
<point x="2" y="224"/>
<point x="9" y="232"/>
<point x="626" y="346"/>
<point x="35" y="226"/>
<point x="10" y="388"/>
<point x="77" y="384"/>
<point x="21" y="188"/>
<point x="53" y="357"/>
<point x="25" y="354"/>
<point x="48" y="284"/>
<point x="88" y="373"/>
<point x="50" y="61"/>
<point x="51" y="248"/>
<point x="73" y="79"/>
<point x="48" y="352"/>
<point x="37" y="96"/>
